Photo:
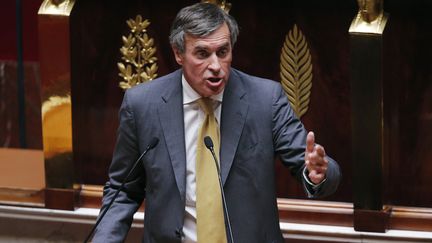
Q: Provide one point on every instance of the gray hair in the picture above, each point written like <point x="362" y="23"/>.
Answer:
<point x="200" y="20"/>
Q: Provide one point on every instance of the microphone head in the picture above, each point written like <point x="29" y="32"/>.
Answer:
<point x="208" y="142"/>
<point x="153" y="142"/>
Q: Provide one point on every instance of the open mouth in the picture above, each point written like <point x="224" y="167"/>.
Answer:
<point x="214" y="80"/>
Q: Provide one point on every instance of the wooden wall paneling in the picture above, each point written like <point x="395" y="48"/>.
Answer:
<point x="262" y="34"/>
<point x="407" y="103"/>
<point x="411" y="218"/>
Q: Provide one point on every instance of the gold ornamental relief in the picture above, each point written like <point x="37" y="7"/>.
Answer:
<point x="138" y="54"/>
<point x="370" y="19"/>
<point x="57" y="125"/>
<point x="221" y="3"/>
<point x="296" y="71"/>
<point x="56" y="7"/>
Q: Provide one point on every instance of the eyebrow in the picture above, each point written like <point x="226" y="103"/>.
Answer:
<point x="201" y="47"/>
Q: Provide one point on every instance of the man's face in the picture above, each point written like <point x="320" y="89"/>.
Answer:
<point x="206" y="61"/>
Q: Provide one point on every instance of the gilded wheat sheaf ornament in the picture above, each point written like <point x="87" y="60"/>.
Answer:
<point x="138" y="55"/>
<point x="296" y="71"/>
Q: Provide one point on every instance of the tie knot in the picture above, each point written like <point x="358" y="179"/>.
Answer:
<point x="206" y="105"/>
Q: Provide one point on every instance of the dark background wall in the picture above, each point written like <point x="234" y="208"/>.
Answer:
<point x="96" y="30"/>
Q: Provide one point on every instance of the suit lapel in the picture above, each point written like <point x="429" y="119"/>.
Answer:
<point x="234" y="110"/>
<point x="171" y="118"/>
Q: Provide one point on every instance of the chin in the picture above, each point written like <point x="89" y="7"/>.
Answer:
<point x="215" y="92"/>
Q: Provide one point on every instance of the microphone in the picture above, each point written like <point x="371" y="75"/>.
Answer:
<point x="209" y="144"/>
<point x="153" y="142"/>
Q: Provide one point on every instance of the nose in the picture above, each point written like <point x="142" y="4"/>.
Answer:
<point x="214" y="63"/>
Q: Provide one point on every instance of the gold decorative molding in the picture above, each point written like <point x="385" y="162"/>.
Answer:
<point x="56" y="7"/>
<point x="138" y="54"/>
<point x="221" y="3"/>
<point x="296" y="70"/>
<point x="53" y="102"/>
<point x="370" y="18"/>
<point x="57" y="124"/>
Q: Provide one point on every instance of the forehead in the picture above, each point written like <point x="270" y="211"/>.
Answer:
<point x="219" y="37"/>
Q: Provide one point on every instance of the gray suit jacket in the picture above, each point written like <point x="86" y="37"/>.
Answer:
<point x="257" y="123"/>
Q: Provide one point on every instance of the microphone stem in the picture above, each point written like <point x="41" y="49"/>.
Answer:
<point x="223" y="196"/>
<point x="115" y="195"/>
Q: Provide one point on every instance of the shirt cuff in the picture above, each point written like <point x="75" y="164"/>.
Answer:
<point x="312" y="187"/>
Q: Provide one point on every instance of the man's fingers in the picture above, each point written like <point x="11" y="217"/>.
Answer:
<point x="321" y="169"/>
<point x="316" y="163"/>
<point x="316" y="177"/>
<point x="310" y="142"/>
<point x="315" y="158"/>
<point x="320" y="150"/>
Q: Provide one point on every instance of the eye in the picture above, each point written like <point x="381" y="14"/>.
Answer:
<point x="222" y="52"/>
<point x="202" y="54"/>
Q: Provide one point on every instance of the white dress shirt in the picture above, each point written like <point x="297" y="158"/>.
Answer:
<point x="193" y="118"/>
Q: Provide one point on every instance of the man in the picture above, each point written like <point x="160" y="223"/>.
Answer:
<point x="254" y="121"/>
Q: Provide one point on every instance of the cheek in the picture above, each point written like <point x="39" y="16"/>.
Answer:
<point x="226" y="64"/>
<point x="227" y="60"/>
<point x="195" y="70"/>
<point x="199" y="68"/>
<point x="194" y="62"/>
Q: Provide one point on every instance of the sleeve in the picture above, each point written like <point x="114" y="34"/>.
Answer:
<point x="289" y="139"/>
<point x="117" y="221"/>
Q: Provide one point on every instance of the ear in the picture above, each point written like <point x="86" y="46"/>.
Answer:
<point x="178" y="55"/>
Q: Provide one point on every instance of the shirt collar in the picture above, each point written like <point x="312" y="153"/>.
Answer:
<point x="190" y="95"/>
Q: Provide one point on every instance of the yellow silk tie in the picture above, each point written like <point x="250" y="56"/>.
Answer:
<point x="210" y="215"/>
